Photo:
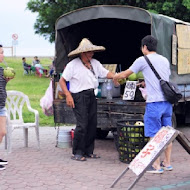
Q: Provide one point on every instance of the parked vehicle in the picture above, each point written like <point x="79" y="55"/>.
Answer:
<point x="120" y="29"/>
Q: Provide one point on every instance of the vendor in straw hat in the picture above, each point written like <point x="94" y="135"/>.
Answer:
<point x="82" y="73"/>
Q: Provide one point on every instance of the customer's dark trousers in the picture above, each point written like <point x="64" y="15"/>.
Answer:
<point x="86" y="115"/>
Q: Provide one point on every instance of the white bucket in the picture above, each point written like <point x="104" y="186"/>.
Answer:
<point x="64" y="138"/>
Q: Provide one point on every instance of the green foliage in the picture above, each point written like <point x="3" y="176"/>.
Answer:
<point x="179" y="9"/>
<point x="50" y="10"/>
<point x="186" y="3"/>
<point x="31" y="85"/>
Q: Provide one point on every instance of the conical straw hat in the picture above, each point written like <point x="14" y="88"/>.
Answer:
<point x="85" y="46"/>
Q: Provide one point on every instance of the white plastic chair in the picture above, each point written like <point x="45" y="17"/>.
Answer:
<point x="15" y="102"/>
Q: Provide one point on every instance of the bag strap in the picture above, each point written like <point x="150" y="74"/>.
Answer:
<point x="153" y="69"/>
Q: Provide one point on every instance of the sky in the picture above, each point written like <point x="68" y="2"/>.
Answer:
<point x="16" y="19"/>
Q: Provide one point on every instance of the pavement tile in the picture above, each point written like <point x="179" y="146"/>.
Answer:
<point x="51" y="168"/>
<point x="4" y="187"/>
<point x="20" y="185"/>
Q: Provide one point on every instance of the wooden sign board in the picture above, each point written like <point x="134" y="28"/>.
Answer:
<point x="174" y="50"/>
<point x="183" y="61"/>
<point x="152" y="150"/>
<point x="183" y="35"/>
<point x="130" y="89"/>
<point x="183" y="42"/>
<point x="184" y="141"/>
<point x="110" y="67"/>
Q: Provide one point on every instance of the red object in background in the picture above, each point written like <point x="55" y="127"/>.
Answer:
<point x="72" y="133"/>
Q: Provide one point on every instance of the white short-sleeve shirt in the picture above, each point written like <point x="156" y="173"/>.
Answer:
<point x="80" y="77"/>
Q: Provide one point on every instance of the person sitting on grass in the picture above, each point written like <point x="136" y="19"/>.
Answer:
<point x="40" y="70"/>
<point x="35" y="61"/>
<point x="26" y="66"/>
<point x="51" y="70"/>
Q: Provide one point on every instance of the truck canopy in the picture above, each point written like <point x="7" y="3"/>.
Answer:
<point x="120" y="30"/>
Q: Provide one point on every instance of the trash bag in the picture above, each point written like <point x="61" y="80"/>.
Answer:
<point x="46" y="102"/>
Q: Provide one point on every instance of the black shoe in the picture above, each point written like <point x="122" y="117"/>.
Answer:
<point x="2" y="167"/>
<point x="3" y="162"/>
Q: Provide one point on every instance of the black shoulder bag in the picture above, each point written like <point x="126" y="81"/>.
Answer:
<point x="170" y="90"/>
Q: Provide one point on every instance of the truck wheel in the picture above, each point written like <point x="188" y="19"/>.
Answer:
<point x="101" y="134"/>
<point x="174" y="122"/>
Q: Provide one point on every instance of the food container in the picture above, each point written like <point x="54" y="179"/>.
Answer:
<point x="130" y="139"/>
<point x="103" y="88"/>
<point x="64" y="138"/>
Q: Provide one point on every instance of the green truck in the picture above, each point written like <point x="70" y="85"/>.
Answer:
<point x="120" y="29"/>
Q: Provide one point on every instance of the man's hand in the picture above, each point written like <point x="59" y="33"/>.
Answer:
<point x="70" y="101"/>
<point x="115" y="80"/>
<point x="141" y="84"/>
<point x="69" y="98"/>
<point x="121" y="75"/>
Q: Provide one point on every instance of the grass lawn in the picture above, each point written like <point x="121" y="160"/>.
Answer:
<point x="31" y="85"/>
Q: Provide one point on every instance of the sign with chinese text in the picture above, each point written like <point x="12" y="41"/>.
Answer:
<point x="152" y="149"/>
<point x="130" y="89"/>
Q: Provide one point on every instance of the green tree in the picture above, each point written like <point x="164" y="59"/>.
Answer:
<point x="50" y="10"/>
<point x="179" y="9"/>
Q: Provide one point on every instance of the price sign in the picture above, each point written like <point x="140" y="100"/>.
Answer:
<point x="152" y="149"/>
<point x="130" y="89"/>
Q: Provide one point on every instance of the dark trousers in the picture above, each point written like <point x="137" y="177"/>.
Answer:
<point x="27" y="69"/>
<point x="86" y="115"/>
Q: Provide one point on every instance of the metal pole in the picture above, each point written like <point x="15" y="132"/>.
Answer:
<point x="119" y="177"/>
<point x="15" y="50"/>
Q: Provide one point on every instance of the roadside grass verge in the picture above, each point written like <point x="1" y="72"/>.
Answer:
<point x="31" y="85"/>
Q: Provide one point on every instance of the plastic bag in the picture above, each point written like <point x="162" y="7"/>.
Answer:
<point x="46" y="102"/>
<point x="143" y="92"/>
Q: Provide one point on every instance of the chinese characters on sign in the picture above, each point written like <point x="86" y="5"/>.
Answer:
<point x="151" y="150"/>
<point x="130" y="88"/>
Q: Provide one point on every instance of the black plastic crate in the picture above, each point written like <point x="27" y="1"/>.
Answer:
<point x="130" y="139"/>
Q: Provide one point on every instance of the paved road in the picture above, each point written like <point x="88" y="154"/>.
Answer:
<point x="51" y="168"/>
